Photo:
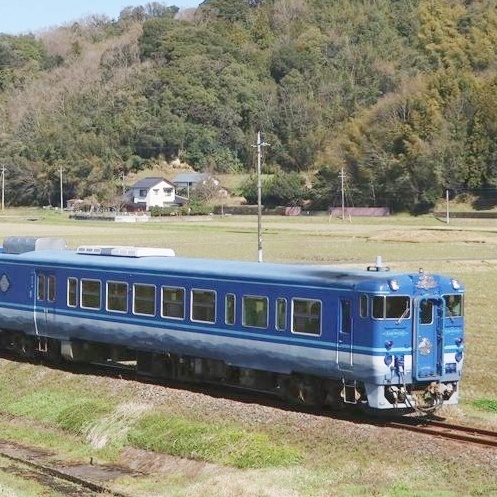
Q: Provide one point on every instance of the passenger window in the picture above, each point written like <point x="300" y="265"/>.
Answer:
<point x="281" y="314"/>
<point x="144" y="299"/>
<point x="173" y="302"/>
<point x="72" y="292"/>
<point x="40" y="293"/>
<point x="306" y="316"/>
<point x="346" y="316"/>
<point x="203" y="306"/>
<point x="90" y="294"/>
<point x="453" y="305"/>
<point x="117" y="296"/>
<point x="229" y="309"/>
<point x="363" y="306"/>
<point x="255" y="311"/>
<point x="51" y="288"/>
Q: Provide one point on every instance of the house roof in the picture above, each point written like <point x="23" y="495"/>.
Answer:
<point x="191" y="178"/>
<point x="150" y="182"/>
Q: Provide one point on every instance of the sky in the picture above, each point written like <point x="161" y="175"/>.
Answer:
<point x="29" y="16"/>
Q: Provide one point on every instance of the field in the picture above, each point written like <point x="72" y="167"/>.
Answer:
<point x="220" y="448"/>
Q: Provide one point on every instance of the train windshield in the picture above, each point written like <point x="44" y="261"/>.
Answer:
<point x="391" y="307"/>
<point x="453" y="305"/>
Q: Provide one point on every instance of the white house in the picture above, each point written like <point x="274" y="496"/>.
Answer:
<point x="153" y="192"/>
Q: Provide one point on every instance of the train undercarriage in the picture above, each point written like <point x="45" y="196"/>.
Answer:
<point x="302" y="389"/>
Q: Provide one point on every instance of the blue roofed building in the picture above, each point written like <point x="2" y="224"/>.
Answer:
<point x="189" y="181"/>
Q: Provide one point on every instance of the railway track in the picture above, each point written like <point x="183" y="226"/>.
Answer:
<point x="440" y="429"/>
<point x="63" y="480"/>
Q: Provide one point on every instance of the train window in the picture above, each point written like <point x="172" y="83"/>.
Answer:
<point x="281" y="314"/>
<point x="173" y="302"/>
<point x="117" y="296"/>
<point x="255" y="311"/>
<point x="144" y="299"/>
<point x="306" y="316"/>
<point x="229" y="309"/>
<point x="51" y="288"/>
<point x="40" y="293"/>
<point x="90" y="294"/>
<point x="203" y="306"/>
<point x="391" y="307"/>
<point x="72" y="292"/>
<point x="346" y="316"/>
<point x="453" y="306"/>
<point x="363" y="306"/>
<point x="426" y="312"/>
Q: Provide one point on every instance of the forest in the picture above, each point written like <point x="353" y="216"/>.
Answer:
<point x="398" y="96"/>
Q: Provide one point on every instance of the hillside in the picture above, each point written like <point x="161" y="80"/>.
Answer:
<point x="401" y="95"/>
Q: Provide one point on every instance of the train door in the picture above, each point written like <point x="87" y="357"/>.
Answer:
<point x="44" y="302"/>
<point x="344" y="339"/>
<point x="428" y="346"/>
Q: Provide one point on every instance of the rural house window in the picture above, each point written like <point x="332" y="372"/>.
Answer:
<point x="173" y="303"/>
<point x="117" y="296"/>
<point x="156" y="191"/>
<point x="255" y="311"/>
<point x="143" y="193"/>
<point x="306" y="316"/>
<point x="144" y="299"/>
<point x="203" y="306"/>
<point x="90" y="294"/>
<point x="72" y="292"/>
<point x="229" y="315"/>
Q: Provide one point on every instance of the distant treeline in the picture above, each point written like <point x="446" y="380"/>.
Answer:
<point x="395" y="100"/>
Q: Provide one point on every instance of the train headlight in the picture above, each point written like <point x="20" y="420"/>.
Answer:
<point x="455" y="284"/>
<point x="394" y="285"/>
<point x="388" y="359"/>
<point x="459" y="356"/>
<point x="459" y="341"/>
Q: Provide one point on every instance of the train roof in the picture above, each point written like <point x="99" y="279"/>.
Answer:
<point x="156" y="261"/>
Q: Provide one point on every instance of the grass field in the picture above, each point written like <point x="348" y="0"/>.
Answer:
<point x="318" y="466"/>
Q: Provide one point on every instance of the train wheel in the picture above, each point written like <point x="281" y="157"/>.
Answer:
<point x="303" y="390"/>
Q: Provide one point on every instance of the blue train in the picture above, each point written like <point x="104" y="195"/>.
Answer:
<point x="311" y="334"/>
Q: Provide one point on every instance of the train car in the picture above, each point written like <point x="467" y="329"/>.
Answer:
<point x="309" y="333"/>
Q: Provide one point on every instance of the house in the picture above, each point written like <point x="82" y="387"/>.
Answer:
<point x="188" y="181"/>
<point x="152" y="192"/>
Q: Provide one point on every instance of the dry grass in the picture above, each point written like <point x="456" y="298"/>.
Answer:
<point x="340" y="459"/>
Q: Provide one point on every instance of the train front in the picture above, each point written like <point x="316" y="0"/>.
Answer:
<point x="417" y="325"/>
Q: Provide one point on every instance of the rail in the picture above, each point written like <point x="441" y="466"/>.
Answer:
<point x="440" y="429"/>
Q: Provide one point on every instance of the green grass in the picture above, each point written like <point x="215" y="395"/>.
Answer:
<point x="78" y="417"/>
<point x="489" y="405"/>
<point x="210" y="442"/>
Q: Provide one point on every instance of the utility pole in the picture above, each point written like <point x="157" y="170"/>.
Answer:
<point x="61" y="193"/>
<point x="342" y="177"/>
<point x="447" y="216"/>
<point x="259" y="195"/>
<point x="3" y="187"/>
